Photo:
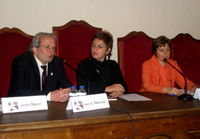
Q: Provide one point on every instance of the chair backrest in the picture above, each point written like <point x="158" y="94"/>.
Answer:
<point x="186" y="51"/>
<point x="133" y="50"/>
<point x="12" y="43"/>
<point x="73" y="44"/>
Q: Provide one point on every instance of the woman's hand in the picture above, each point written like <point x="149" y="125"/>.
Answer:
<point x="194" y="87"/>
<point x="116" y="89"/>
<point x="172" y="90"/>
<point x="115" y="94"/>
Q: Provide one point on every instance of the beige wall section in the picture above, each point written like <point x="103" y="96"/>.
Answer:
<point x="154" y="17"/>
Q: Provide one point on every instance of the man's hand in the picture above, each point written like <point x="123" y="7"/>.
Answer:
<point x="60" y="95"/>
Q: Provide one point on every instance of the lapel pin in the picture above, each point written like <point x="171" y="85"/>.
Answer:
<point x="51" y="73"/>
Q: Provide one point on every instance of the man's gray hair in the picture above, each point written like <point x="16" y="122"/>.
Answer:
<point x="36" y="40"/>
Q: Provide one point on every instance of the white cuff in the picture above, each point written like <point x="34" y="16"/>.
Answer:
<point x="49" y="96"/>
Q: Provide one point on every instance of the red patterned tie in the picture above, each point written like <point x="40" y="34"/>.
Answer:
<point x="44" y="78"/>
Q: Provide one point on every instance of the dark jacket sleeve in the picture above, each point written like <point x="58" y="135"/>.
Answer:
<point x="62" y="80"/>
<point x="20" y="84"/>
<point x="25" y="78"/>
<point x="117" y="75"/>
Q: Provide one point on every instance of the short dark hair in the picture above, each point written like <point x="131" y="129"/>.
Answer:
<point x="159" y="42"/>
<point x="107" y="38"/>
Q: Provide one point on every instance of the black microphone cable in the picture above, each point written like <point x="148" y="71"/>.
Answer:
<point x="74" y="69"/>
<point x="183" y="96"/>
<point x="129" y="116"/>
<point x="64" y="61"/>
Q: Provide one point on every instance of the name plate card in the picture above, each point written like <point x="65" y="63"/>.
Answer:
<point x="197" y="94"/>
<point x="88" y="102"/>
<point x="69" y="105"/>
<point x="22" y="104"/>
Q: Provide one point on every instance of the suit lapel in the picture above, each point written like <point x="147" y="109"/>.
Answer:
<point x="50" y="78"/>
<point x="35" y="69"/>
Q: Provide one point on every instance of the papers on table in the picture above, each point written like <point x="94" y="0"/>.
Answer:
<point x="111" y="98"/>
<point x="135" y="97"/>
<point x="197" y="94"/>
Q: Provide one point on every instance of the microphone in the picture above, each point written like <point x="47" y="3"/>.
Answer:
<point x="183" y="96"/>
<point x="74" y="69"/>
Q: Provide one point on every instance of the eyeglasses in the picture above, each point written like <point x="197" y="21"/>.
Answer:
<point x="48" y="48"/>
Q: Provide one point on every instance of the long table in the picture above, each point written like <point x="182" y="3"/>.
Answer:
<point x="164" y="116"/>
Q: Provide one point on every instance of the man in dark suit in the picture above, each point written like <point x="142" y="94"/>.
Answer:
<point x="28" y="76"/>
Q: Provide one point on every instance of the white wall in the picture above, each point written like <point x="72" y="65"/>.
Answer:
<point x="154" y="17"/>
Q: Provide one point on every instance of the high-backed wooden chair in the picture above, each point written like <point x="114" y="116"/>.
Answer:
<point x="73" y="44"/>
<point x="133" y="50"/>
<point x="12" y="43"/>
<point x="187" y="53"/>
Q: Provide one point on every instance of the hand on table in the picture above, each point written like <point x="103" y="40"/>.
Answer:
<point x="60" y="95"/>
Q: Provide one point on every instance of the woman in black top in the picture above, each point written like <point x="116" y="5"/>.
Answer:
<point x="104" y="75"/>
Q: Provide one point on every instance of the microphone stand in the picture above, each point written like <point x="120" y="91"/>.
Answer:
<point x="64" y="61"/>
<point x="184" y="96"/>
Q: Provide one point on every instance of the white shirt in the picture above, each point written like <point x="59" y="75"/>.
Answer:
<point x="41" y="71"/>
